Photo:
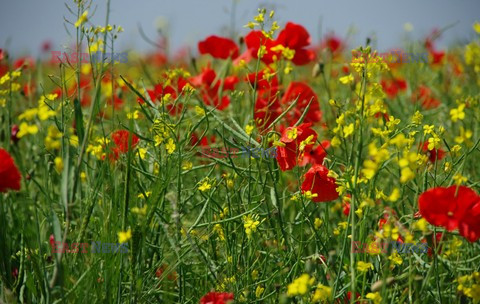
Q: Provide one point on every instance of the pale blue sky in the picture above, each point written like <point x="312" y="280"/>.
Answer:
<point x="25" y="24"/>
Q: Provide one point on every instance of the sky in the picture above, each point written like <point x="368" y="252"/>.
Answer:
<point x="26" y="24"/>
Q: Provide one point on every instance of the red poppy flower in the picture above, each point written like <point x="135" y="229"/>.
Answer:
<point x="433" y="155"/>
<point x="469" y="227"/>
<point x="424" y="95"/>
<point x="204" y="141"/>
<point x="24" y="62"/>
<point x="346" y="208"/>
<point x="293" y="36"/>
<point x="9" y="175"/>
<point x="218" y="47"/>
<point x="391" y="87"/>
<point x="121" y="139"/>
<point x="316" y="156"/>
<point x="254" y="40"/>
<point x="267" y="105"/>
<point x="318" y="182"/>
<point x="217" y="298"/>
<point x="296" y="37"/>
<point x="296" y="141"/>
<point x="450" y="207"/>
<point x="349" y="296"/>
<point x="161" y="93"/>
<point x="333" y="43"/>
<point x="304" y="94"/>
<point x="210" y="89"/>
<point x="437" y="57"/>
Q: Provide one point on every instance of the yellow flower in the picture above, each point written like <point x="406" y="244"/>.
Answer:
<point x="348" y="130"/>
<point x="421" y="225"/>
<point x="26" y="129"/>
<point x="187" y="165"/>
<point x="142" y="152"/>
<point x="433" y="143"/>
<point x="317" y="223"/>
<point x="395" y="258"/>
<point x="458" y="113"/>
<point x="58" y="164"/>
<point x="395" y="195"/>
<point x="292" y="133"/>
<point x="44" y="111"/>
<point x="309" y="195"/>
<point x="363" y="266"/>
<point x="322" y="293"/>
<point x="346" y="79"/>
<point x="144" y="196"/>
<point x="300" y="286"/>
<point x="83" y="18"/>
<point x="200" y="111"/>
<point x="249" y="129"/>
<point x="28" y="114"/>
<point x="286" y="52"/>
<point x="464" y="136"/>
<point x="218" y="229"/>
<point x="205" y="186"/>
<point x="375" y="297"/>
<point x="406" y="175"/>
<point x="140" y="211"/>
<point x="250" y="223"/>
<point x="428" y="129"/>
<point x="453" y="247"/>
<point x="73" y="140"/>
<point x="308" y="141"/>
<point x="417" y="118"/>
<point x="459" y="179"/>
<point x="288" y="68"/>
<point x="83" y="176"/>
<point x="262" y="50"/>
<point x="259" y="291"/>
<point x="335" y="142"/>
<point x="259" y="18"/>
<point x="224" y="213"/>
<point x="124" y="237"/>
<point x="158" y="140"/>
<point x="170" y="146"/>
<point x="476" y="27"/>
<point x="251" y="25"/>
<point x="135" y="115"/>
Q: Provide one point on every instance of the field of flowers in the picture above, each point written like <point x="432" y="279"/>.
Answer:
<point x="265" y="169"/>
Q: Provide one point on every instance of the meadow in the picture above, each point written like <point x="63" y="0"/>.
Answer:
<point x="110" y="191"/>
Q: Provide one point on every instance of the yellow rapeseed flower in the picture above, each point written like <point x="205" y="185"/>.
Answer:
<point x="249" y="129"/>
<point x="300" y="285"/>
<point x="26" y="129"/>
<point x="58" y="164"/>
<point x="205" y="186"/>
<point x="250" y="223"/>
<point x="82" y="19"/>
<point x="124" y="236"/>
<point x="375" y="297"/>
<point x="364" y="266"/>
<point x="170" y="146"/>
<point x="322" y="293"/>
<point x="140" y="211"/>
